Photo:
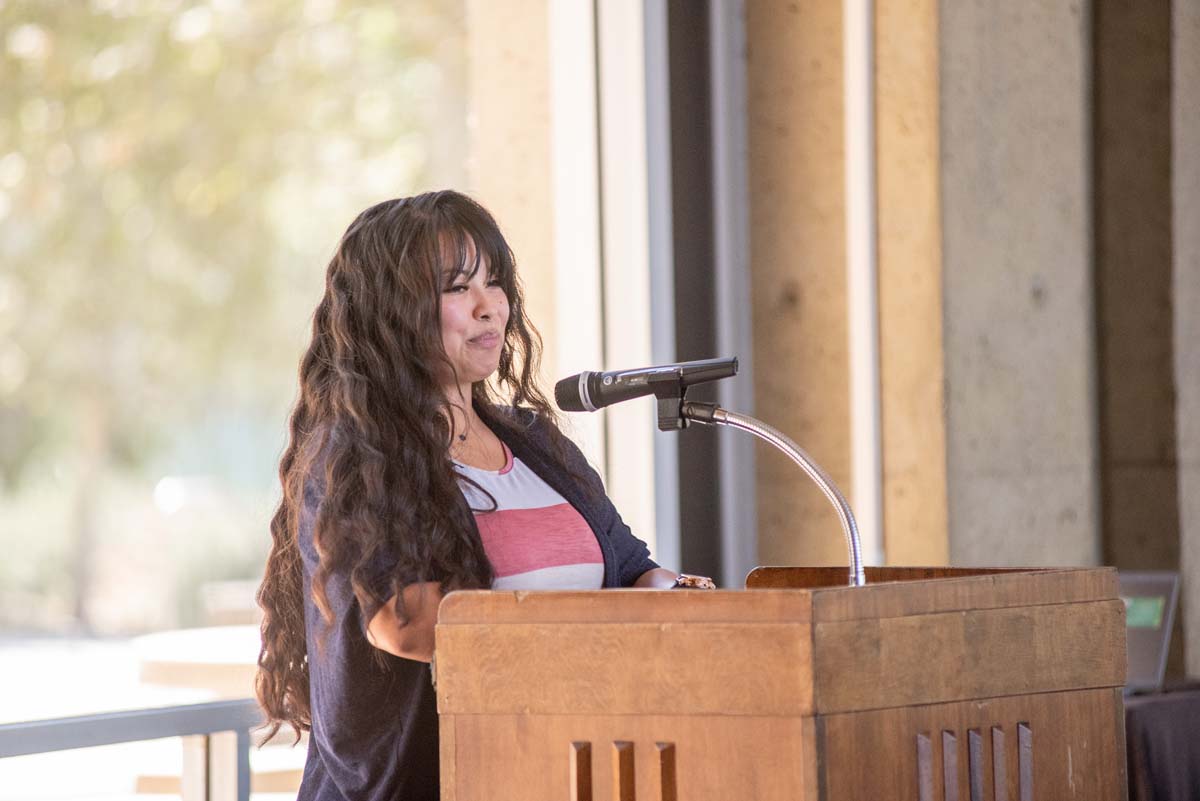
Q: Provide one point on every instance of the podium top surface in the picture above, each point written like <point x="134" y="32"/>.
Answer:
<point x="796" y="595"/>
<point x="796" y="643"/>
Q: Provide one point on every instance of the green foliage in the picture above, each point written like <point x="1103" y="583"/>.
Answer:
<point x="173" y="178"/>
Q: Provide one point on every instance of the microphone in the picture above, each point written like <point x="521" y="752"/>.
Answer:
<point x="589" y="391"/>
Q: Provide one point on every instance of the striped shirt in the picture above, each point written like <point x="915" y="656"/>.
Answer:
<point x="534" y="539"/>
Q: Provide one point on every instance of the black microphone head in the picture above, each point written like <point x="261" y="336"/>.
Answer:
<point x="705" y="370"/>
<point x="566" y="394"/>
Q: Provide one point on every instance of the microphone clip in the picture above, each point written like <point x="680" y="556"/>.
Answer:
<point x="675" y="411"/>
<point x="669" y="392"/>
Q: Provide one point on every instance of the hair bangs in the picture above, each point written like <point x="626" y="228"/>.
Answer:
<point x="470" y="240"/>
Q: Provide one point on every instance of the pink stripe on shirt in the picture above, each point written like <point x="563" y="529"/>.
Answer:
<point x="519" y="540"/>
<point x="534" y="539"/>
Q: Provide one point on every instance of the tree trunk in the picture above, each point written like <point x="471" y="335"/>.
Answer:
<point x="94" y="430"/>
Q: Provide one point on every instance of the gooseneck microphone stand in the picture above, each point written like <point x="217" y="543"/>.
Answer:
<point x="712" y="414"/>
<point x="674" y="413"/>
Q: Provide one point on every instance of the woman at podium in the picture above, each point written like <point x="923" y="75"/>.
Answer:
<point x="422" y="458"/>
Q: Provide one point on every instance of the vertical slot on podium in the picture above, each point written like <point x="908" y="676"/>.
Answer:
<point x="666" y="771"/>
<point x="975" y="763"/>
<point x="999" y="765"/>
<point x="949" y="766"/>
<point x="924" y="768"/>
<point x="623" y="779"/>
<point x="581" y="771"/>
<point x="1025" y="760"/>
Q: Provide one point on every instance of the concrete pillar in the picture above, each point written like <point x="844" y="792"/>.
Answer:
<point x="508" y="130"/>
<point x="1019" y="344"/>
<point x="910" y="282"/>
<point x="797" y="262"/>
<point x="1185" y="175"/>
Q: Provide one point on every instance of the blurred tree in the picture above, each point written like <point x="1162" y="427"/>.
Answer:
<point x="172" y="177"/>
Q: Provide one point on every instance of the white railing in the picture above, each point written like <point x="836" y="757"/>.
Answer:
<point x="216" y="764"/>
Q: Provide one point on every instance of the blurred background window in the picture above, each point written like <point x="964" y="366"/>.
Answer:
<point x="174" y="177"/>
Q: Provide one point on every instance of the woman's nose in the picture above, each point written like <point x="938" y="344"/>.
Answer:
<point x="485" y="306"/>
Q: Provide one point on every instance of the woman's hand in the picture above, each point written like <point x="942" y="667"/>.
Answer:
<point x="414" y="639"/>
<point x="662" y="579"/>
<point x="657" y="579"/>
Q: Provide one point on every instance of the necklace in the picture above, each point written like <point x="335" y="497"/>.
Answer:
<point x="466" y="429"/>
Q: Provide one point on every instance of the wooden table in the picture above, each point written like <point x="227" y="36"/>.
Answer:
<point x="1162" y="731"/>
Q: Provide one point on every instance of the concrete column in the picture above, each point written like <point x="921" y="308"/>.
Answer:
<point x="508" y="131"/>
<point x="910" y="282"/>
<point x="799" y="274"/>
<point x="797" y="262"/>
<point x="1185" y="180"/>
<point x="1019" y="345"/>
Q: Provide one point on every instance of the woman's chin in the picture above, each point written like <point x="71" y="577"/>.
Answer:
<point x="477" y="372"/>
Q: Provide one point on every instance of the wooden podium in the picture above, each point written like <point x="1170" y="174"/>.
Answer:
<point x="928" y="683"/>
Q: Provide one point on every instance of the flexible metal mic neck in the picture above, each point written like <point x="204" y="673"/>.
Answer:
<point x="711" y="414"/>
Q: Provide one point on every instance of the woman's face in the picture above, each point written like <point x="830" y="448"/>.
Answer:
<point x="474" y="319"/>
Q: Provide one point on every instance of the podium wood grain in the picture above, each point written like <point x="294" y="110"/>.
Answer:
<point x="760" y="671"/>
<point x="752" y="757"/>
<point x="931" y="683"/>
<point x="1066" y="759"/>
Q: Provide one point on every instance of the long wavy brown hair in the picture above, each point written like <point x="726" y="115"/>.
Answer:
<point x="373" y="425"/>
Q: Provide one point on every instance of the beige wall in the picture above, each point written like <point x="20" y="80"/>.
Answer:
<point x="910" y="282"/>
<point x="798" y="281"/>
<point x="508" y="131"/>
<point x="796" y="133"/>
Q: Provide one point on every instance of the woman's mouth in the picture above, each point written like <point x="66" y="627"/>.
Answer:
<point x="485" y="340"/>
